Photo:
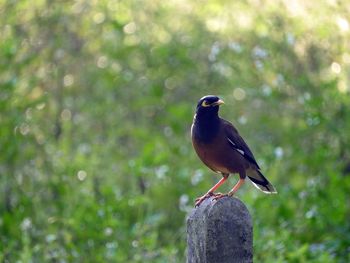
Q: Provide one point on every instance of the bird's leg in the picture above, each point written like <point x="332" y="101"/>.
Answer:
<point x="199" y="200"/>
<point x="233" y="191"/>
<point x="236" y="187"/>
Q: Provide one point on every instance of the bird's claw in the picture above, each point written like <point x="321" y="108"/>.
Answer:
<point x="219" y="195"/>
<point x="199" y="200"/>
<point x="215" y="196"/>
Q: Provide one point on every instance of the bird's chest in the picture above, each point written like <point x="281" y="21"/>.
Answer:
<point x="213" y="155"/>
<point x="205" y="133"/>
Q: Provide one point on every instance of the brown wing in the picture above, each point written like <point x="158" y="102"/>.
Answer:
<point x="237" y="142"/>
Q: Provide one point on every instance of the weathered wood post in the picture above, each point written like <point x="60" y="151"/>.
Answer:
<point x="220" y="231"/>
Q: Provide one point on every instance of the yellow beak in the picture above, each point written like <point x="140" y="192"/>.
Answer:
<point x="219" y="102"/>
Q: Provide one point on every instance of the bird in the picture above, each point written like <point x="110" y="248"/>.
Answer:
<point x="220" y="147"/>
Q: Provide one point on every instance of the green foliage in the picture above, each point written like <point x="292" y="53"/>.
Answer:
<point x="96" y="102"/>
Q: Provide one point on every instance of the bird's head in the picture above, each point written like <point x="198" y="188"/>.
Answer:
<point x="209" y="104"/>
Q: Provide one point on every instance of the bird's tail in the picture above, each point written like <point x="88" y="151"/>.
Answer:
<point x="260" y="182"/>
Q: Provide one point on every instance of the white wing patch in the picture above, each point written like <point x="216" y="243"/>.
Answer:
<point x="240" y="151"/>
<point x="234" y="145"/>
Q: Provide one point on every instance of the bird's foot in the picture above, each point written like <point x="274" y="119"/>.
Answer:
<point x="199" y="200"/>
<point x="231" y="193"/>
<point x="219" y="195"/>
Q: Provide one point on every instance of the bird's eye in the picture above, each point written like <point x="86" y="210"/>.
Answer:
<point x="205" y="103"/>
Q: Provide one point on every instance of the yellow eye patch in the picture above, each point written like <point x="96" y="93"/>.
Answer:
<point x="205" y="103"/>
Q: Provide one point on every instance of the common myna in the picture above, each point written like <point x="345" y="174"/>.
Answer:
<point x="221" y="148"/>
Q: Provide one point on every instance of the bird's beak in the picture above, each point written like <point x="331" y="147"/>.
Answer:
<point x="219" y="102"/>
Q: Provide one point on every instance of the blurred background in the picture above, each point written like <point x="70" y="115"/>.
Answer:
<point x="96" y="103"/>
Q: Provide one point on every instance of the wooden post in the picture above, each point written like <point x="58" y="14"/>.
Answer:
<point x="220" y="231"/>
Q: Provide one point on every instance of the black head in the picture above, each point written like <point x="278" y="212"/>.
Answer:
<point x="206" y="123"/>
<point x="209" y="103"/>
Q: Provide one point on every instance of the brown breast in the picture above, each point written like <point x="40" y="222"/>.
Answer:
<point x="219" y="156"/>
